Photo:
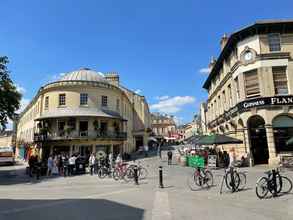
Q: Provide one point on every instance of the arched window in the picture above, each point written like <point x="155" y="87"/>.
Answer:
<point x="283" y="131"/>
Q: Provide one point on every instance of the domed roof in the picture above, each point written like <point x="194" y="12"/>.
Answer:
<point x="84" y="74"/>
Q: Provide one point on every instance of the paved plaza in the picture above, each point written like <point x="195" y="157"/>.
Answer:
<point x="88" y="197"/>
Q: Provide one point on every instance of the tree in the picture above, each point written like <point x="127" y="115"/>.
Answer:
<point x="9" y="96"/>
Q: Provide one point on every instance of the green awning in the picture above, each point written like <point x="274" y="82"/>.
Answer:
<point x="217" y="139"/>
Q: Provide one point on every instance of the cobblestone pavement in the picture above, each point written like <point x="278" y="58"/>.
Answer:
<point x="88" y="197"/>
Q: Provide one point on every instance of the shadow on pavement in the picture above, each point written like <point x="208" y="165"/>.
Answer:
<point x="72" y="209"/>
<point x="12" y="176"/>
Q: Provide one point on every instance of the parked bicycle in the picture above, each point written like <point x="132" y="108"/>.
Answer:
<point x="142" y="172"/>
<point x="234" y="180"/>
<point x="201" y="178"/>
<point x="104" y="171"/>
<point x="274" y="183"/>
<point x="121" y="172"/>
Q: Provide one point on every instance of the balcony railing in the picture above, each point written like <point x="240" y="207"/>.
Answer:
<point x="110" y="135"/>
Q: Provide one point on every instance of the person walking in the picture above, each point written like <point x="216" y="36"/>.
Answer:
<point x="92" y="163"/>
<point x="160" y="151"/>
<point x="169" y="154"/>
<point x="49" y="166"/>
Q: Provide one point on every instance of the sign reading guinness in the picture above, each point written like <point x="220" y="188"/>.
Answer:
<point x="253" y="103"/>
<point x="259" y="102"/>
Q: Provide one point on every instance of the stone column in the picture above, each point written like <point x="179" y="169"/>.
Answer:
<point x="273" y="159"/>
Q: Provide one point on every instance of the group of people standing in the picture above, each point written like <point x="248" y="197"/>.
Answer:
<point x="61" y="164"/>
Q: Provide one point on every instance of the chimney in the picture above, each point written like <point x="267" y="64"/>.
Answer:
<point x="113" y="78"/>
<point x="223" y="41"/>
<point x="212" y="63"/>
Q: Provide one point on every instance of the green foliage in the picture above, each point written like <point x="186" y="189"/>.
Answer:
<point x="9" y="96"/>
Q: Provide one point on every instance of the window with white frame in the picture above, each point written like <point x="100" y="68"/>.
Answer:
<point x="251" y="84"/>
<point x="274" y="42"/>
<point x="47" y="102"/>
<point x="62" y="99"/>
<point x="280" y="80"/>
<point x="104" y="101"/>
<point x="83" y="99"/>
<point x="118" y="104"/>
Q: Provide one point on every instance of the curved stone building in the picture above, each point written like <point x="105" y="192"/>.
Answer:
<point x="250" y="90"/>
<point x="84" y="112"/>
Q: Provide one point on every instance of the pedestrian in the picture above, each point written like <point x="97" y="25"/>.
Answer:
<point x="169" y="154"/>
<point x="92" y="163"/>
<point x="226" y="159"/>
<point x="160" y="151"/>
<point x="49" y="166"/>
<point x="60" y="165"/>
<point x="55" y="166"/>
<point x="110" y="160"/>
<point x="231" y="157"/>
<point x="65" y="165"/>
<point x="146" y="150"/>
<point x="71" y="161"/>
<point x="31" y="163"/>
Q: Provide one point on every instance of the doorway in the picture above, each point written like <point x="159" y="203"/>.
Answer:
<point x="258" y="140"/>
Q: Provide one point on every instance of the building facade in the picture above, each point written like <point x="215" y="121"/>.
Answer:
<point x="84" y="112"/>
<point x="250" y="90"/>
<point x="163" y="125"/>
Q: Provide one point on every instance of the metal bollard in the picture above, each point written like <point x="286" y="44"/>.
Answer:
<point x="274" y="182"/>
<point x="161" y="177"/>
<point x="135" y="175"/>
<point x="232" y="179"/>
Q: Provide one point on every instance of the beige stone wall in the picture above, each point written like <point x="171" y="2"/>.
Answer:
<point x="27" y="126"/>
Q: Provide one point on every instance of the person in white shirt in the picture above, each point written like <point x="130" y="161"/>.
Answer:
<point x="146" y="150"/>
<point x="92" y="163"/>
<point x="71" y="161"/>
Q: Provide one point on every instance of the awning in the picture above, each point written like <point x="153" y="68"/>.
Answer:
<point x="152" y="139"/>
<point x="217" y="139"/>
<point x="79" y="112"/>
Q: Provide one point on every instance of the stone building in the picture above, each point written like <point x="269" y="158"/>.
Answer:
<point x="84" y="112"/>
<point x="250" y="90"/>
<point x="163" y="125"/>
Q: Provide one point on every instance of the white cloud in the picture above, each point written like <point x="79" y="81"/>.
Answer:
<point x="172" y="104"/>
<point x="164" y="97"/>
<point x="23" y="103"/>
<point x="20" y="89"/>
<point x="205" y="70"/>
<point x="137" y="91"/>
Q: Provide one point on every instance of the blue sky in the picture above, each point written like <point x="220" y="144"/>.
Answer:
<point x="157" y="47"/>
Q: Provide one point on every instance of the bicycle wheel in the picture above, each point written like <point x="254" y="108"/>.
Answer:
<point x="261" y="188"/>
<point x="142" y="173"/>
<point x="193" y="182"/>
<point x="208" y="179"/>
<point x="116" y="175"/>
<point x="102" y="173"/>
<point x="286" y="185"/>
<point x="242" y="178"/>
<point x="128" y="175"/>
<point x="229" y="183"/>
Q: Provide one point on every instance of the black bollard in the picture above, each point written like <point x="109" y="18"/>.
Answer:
<point x="274" y="183"/>
<point x="161" y="177"/>
<point x="135" y="175"/>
